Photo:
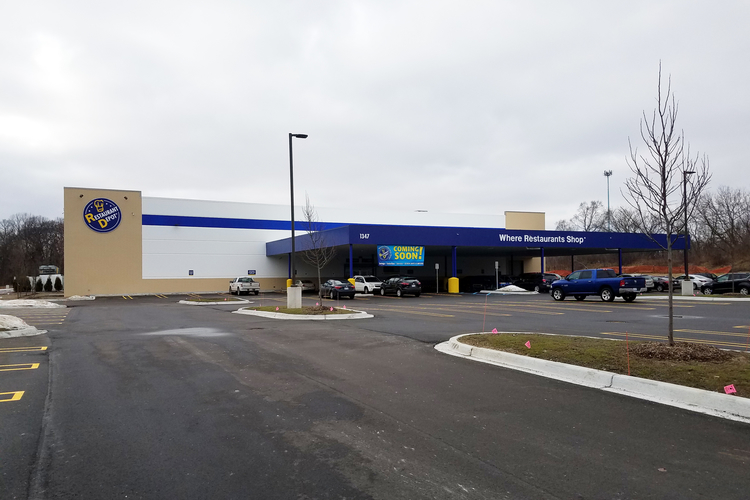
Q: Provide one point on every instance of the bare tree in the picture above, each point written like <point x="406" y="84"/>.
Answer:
<point x="722" y="224"/>
<point x="655" y="192"/>
<point x="589" y="217"/>
<point x="319" y="254"/>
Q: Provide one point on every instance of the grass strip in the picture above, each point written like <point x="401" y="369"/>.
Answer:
<point x="612" y="356"/>
<point x="308" y="310"/>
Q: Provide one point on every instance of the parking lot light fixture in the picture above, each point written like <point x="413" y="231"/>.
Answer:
<point x="685" y="174"/>
<point x="608" y="174"/>
<point x="291" y="188"/>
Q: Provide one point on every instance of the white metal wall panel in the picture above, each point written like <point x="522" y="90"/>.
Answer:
<point x="171" y="251"/>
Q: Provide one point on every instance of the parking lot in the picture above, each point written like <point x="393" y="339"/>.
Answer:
<point x="723" y="323"/>
<point x="196" y="402"/>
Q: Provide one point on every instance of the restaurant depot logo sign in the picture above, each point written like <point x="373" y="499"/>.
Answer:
<point x="398" y="255"/>
<point x="102" y="215"/>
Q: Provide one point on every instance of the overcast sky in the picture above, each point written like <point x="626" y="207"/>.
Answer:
<point x="470" y="107"/>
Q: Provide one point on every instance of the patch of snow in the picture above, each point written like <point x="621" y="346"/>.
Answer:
<point x="511" y="288"/>
<point x="11" y="323"/>
<point x="82" y="297"/>
<point x="29" y="303"/>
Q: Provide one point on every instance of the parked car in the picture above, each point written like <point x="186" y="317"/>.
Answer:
<point x="401" y="286"/>
<point x="336" y="289"/>
<point x="473" y="284"/>
<point x="366" y="284"/>
<point x="244" y="284"/>
<point x="649" y="279"/>
<point x="698" y="280"/>
<point x="661" y="283"/>
<point x="538" y="282"/>
<point x="306" y="285"/>
<point x="602" y="282"/>
<point x="729" y="283"/>
<point x="708" y="275"/>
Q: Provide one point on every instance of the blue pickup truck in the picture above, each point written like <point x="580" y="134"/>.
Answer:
<point x="602" y="282"/>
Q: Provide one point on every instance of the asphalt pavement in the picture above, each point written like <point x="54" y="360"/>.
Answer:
<point x="147" y="398"/>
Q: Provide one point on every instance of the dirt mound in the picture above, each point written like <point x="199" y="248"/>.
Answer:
<point x="681" y="351"/>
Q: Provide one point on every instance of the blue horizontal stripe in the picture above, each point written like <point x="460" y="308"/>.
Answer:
<point x="226" y="223"/>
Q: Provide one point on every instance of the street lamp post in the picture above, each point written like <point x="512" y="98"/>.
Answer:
<point x="608" y="174"/>
<point x="685" y="173"/>
<point x="291" y="188"/>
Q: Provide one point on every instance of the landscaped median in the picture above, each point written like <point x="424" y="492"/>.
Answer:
<point x="305" y="313"/>
<point x="689" y="376"/>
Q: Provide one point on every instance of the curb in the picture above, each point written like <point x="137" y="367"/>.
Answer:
<point x="699" y="298"/>
<point x="305" y="317"/>
<point x="222" y="303"/>
<point x="688" y="398"/>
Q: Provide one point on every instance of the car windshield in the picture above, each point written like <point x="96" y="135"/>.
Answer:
<point x="371" y="279"/>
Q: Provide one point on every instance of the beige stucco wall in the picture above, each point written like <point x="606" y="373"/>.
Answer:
<point x="524" y="220"/>
<point x="102" y="263"/>
<point x="112" y="263"/>
<point x="527" y="220"/>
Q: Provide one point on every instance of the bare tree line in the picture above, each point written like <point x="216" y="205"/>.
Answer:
<point x="719" y="226"/>
<point x="27" y="242"/>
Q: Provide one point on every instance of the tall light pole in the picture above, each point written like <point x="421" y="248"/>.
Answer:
<point x="685" y="174"/>
<point x="608" y="174"/>
<point x="291" y="188"/>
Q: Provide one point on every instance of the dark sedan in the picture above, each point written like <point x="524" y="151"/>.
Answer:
<point x="401" y="286"/>
<point x="661" y="283"/>
<point x="728" y="283"/>
<point x="336" y="289"/>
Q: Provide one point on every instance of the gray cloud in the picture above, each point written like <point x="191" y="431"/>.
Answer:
<point x="474" y="108"/>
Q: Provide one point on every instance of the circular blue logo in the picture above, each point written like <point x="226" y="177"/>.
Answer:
<point x="102" y="215"/>
<point x="385" y="253"/>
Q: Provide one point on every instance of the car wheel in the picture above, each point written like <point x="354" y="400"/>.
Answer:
<point x="332" y="296"/>
<point x="606" y="294"/>
<point x="367" y="290"/>
<point x="537" y="289"/>
<point x="745" y="290"/>
<point x="580" y="297"/>
<point x="398" y="292"/>
<point x="382" y="291"/>
<point x="659" y="288"/>
<point x="706" y="291"/>
<point x="630" y="297"/>
<point x="558" y="294"/>
<point x="257" y="292"/>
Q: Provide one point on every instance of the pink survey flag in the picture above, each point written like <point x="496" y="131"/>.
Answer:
<point x="729" y="389"/>
<point x="494" y="331"/>
<point x="277" y="308"/>
<point x="332" y="309"/>
<point x="528" y="344"/>
<point x="344" y="307"/>
<point x="317" y="303"/>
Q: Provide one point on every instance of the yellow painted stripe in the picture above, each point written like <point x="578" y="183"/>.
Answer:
<point x="408" y="311"/>
<point x="742" y="326"/>
<point x="23" y="349"/>
<point x="24" y="366"/>
<point x="480" y="310"/>
<point x="708" y="332"/>
<point x="16" y="396"/>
